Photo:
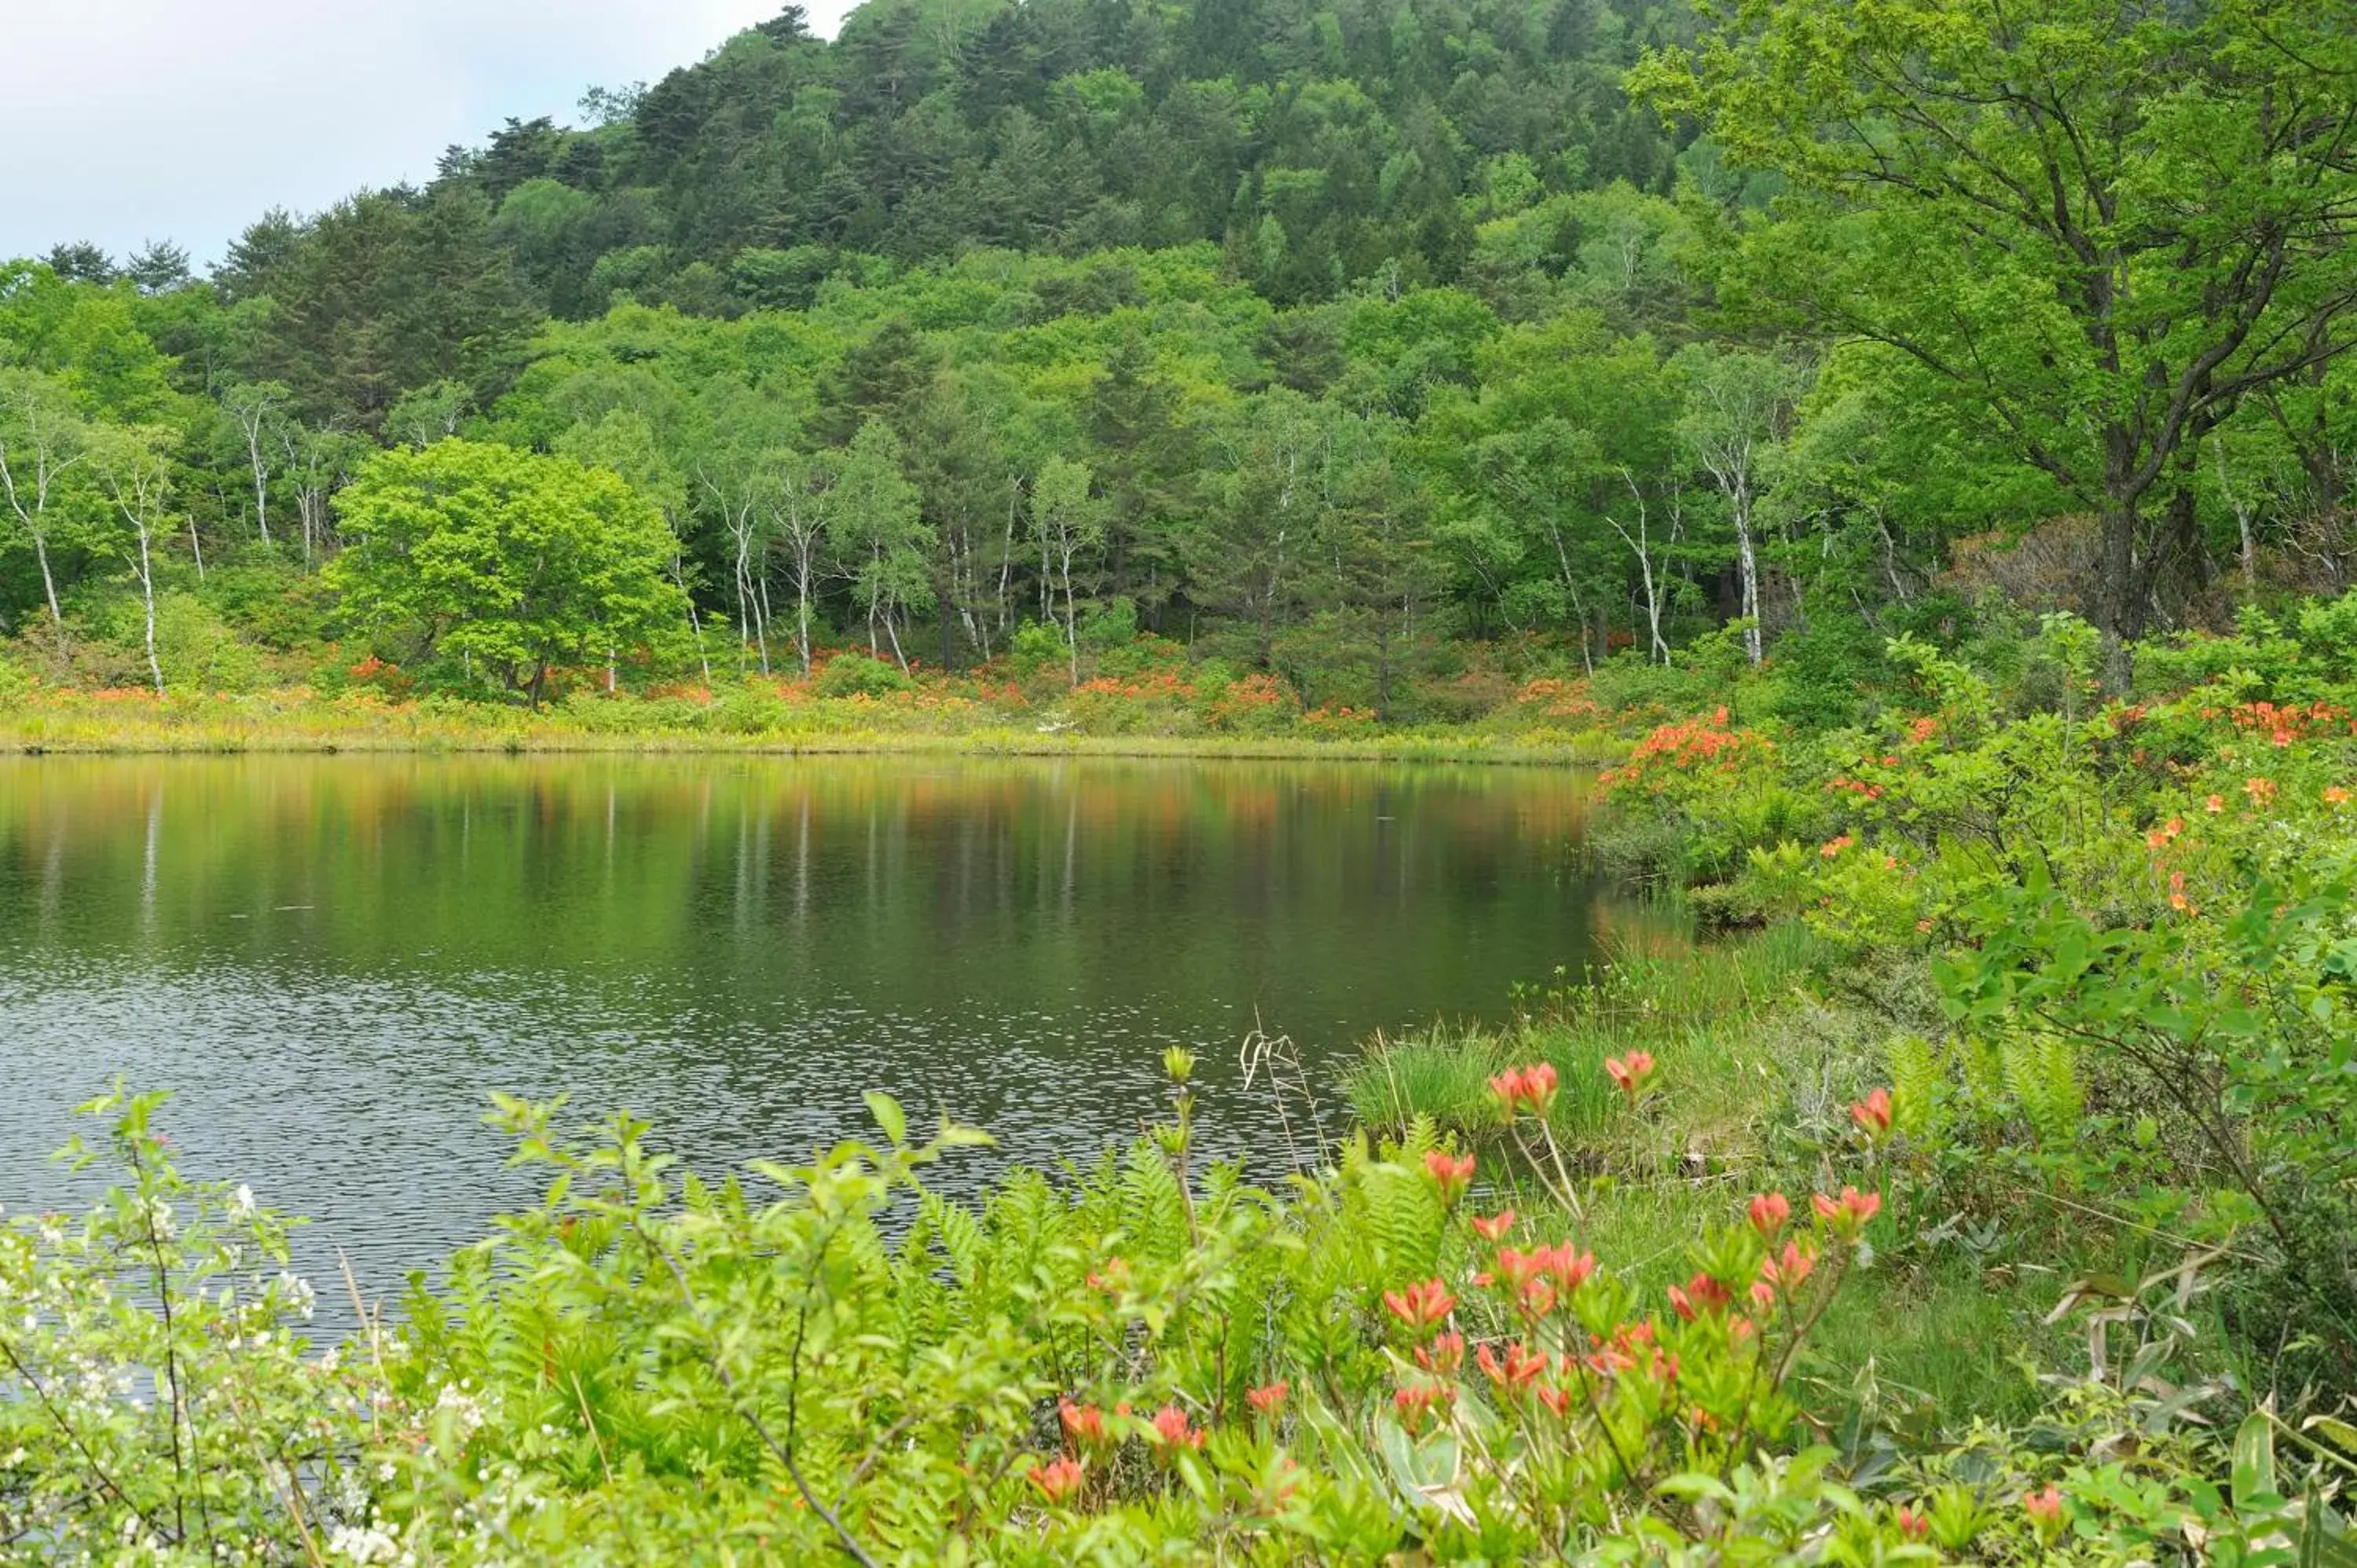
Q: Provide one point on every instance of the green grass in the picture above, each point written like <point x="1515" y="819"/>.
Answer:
<point x="87" y="723"/>
<point x="1750" y="1064"/>
<point x="1714" y="1018"/>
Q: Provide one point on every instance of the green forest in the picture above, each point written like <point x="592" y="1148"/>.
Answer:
<point x="1396" y="353"/>
<point x="1891" y="457"/>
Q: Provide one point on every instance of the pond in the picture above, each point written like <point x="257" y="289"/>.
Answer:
<point x="332" y="959"/>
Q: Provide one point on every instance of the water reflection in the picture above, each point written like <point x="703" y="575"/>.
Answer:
<point x="332" y="959"/>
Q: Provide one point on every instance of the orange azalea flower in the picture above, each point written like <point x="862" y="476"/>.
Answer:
<point x="1495" y="1226"/>
<point x="1769" y="1210"/>
<point x="1058" y="1480"/>
<point x="1515" y="1369"/>
<point x="1630" y="1072"/>
<point x="1420" y="1306"/>
<point x="1417" y="1401"/>
<point x="1444" y="1355"/>
<point x="1268" y="1399"/>
<point x="1702" y="1295"/>
<point x="1082" y="1423"/>
<point x="1452" y="1174"/>
<point x="1170" y="1429"/>
<point x="1850" y="1211"/>
<point x="1519" y="1088"/>
<point x="1787" y="1272"/>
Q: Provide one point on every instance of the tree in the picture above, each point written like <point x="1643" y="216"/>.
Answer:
<point x="423" y="416"/>
<point x="158" y="267"/>
<point x="734" y="473"/>
<point x="522" y="562"/>
<point x="795" y="489"/>
<point x="316" y="461"/>
<point x="134" y="464"/>
<point x="258" y="409"/>
<point x="1738" y="409"/>
<point x="1245" y="550"/>
<point x="1142" y="457"/>
<point x="42" y="439"/>
<point x="874" y="525"/>
<point x="1067" y="521"/>
<point x="81" y="262"/>
<point x="2104" y="225"/>
<point x="624" y="442"/>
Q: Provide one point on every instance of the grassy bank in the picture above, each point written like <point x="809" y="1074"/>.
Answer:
<point x="1757" y="1060"/>
<point x="759" y="722"/>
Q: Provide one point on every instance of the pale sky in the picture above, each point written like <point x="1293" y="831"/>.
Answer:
<point x="126" y="121"/>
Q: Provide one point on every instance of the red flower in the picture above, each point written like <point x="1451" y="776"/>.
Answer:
<point x="1268" y="1399"/>
<point x="1452" y="1174"/>
<point x="1769" y="1210"/>
<point x="1834" y="845"/>
<point x="1058" y="1480"/>
<point x="1787" y="1272"/>
<point x="1515" y="1369"/>
<point x="1444" y="1355"/>
<point x="1872" y="1114"/>
<point x="1571" y="1270"/>
<point x="1421" y="1306"/>
<point x="1913" y="1523"/>
<point x="1495" y="1226"/>
<point x="1170" y="1429"/>
<point x="1702" y="1295"/>
<point x="2045" y="1509"/>
<point x="1519" y="1087"/>
<point x="1630" y="1072"/>
<point x="1848" y="1213"/>
<point x="1534" y="1277"/>
<point x="1418" y="1400"/>
<point x="1082" y="1423"/>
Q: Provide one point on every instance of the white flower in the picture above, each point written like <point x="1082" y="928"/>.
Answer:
<point x="465" y="1412"/>
<point x="370" y="1545"/>
<point x="241" y="1203"/>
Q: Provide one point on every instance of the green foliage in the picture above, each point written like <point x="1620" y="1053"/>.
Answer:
<point x="481" y="552"/>
<point x="856" y="675"/>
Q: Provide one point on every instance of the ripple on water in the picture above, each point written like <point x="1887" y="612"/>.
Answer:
<point x="331" y="962"/>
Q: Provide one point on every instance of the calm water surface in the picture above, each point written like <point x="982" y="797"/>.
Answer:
<point x="331" y="960"/>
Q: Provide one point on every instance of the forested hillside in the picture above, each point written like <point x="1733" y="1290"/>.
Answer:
<point x="1376" y="348"/>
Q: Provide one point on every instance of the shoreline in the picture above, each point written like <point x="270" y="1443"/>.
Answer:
<point x="203" y="730"/>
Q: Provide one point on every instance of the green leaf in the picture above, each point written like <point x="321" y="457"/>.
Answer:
<point x="2255" y="1463"/>
<point x="888" y="1116"/>
<point x="2338" y="1432"/>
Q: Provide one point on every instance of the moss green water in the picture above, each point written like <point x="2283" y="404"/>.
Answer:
<point x="331" y="958"/>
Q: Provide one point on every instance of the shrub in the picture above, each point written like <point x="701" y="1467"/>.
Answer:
<point x="857" y="675"/>
<point x="199" y="651"/>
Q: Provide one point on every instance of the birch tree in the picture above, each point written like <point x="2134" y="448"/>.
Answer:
<point x="1067" y="523"/>
<point x="1738" y="410"/>
<point x="42" y="440"/>
<point x="258" y="410"/>
<point x="134" y="467"/>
